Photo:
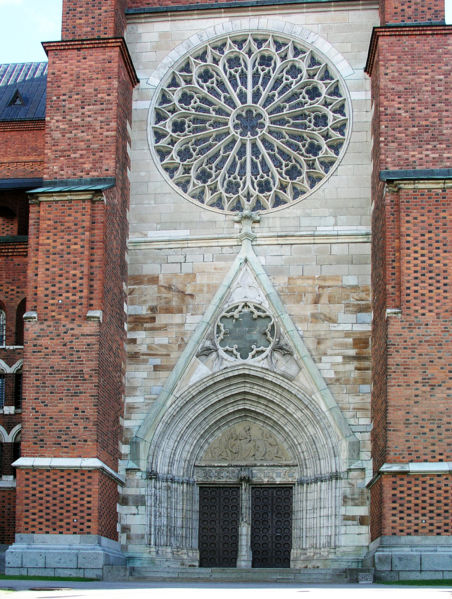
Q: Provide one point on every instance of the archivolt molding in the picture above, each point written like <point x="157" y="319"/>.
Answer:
<point x="262" y="24"/>
<point x="11" y="436"/>
<point x="14" y="433"/>
<point x="242" y="393"/>
<point x="5" y="369"/>
<point x="312" y="460"/>
<point x="17" y="367"/>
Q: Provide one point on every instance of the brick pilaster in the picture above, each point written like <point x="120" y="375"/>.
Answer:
<point x="74" y="338"/>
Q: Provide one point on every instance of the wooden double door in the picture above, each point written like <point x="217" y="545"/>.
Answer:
<point x="220" y="514"/>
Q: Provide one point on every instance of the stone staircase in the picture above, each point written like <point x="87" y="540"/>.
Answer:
<point x="246" y="575"/>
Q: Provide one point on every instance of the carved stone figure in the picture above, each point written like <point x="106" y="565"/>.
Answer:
<point x="246" y="442"/>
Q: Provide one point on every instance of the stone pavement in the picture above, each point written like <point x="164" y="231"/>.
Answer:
<point x="26" y="589"/>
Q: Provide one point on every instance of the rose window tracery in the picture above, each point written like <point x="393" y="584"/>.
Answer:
<point x="249" y="122"/>
<point x="245" y="331"/>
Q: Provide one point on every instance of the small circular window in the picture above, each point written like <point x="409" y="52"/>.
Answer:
<point x="245" y="331"/>
<point x="249" y="122"/>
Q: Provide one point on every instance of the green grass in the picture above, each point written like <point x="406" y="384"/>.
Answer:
<point x="67" y="578"/>
<point x="420" y="583"/>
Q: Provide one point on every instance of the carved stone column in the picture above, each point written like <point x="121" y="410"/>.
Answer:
<point x="244" y="556"/>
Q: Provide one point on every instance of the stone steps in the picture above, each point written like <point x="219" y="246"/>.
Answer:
<point x="306" y="575"/>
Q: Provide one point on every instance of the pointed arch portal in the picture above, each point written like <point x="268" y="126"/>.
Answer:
<point x="245" y="429"/>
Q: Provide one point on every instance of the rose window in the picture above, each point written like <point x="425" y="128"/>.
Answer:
<point x="249" y="122"/>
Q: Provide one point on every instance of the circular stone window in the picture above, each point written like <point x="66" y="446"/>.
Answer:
<point x="249" y="122"/>
<point x="245" y="331"/>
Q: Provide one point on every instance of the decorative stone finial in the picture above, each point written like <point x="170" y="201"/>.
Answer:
<point x="247" y="218"/>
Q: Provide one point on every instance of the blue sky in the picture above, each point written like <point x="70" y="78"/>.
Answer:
<point x="24" y="24"/>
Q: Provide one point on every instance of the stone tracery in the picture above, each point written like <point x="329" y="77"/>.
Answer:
<point x="251" y="121"/>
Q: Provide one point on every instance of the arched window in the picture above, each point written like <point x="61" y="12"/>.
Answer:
<point x="21" y="308"/>
<point x="8" y="222"/>
<point x="18" y="390"/>
<point x="2" y="327"/>
<point x="2" y="390"/>
<point x="16" y="449"/>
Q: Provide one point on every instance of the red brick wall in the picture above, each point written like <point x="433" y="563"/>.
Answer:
<point x="426" y="261"/>
<point x="108" y="507"/>
<point x="112" y="340"/>
<point x="415" y="120"/>
<point x="74" y="367"/>
<point x="22" y="147"/>
<point x="8" y="223"/>
<point x="73" y="502"/>
<point x="13" y="272"/>
<point x="376" y="511"/>
<point x="60" y="268"/>
<point x="410" y="269"/>
<point x="411" y="11"/>
<point x="17" y="203"/>
<point x="417" y="505"/>
<point x="60" y="389"/>
<point x="419" y="342"/>
<point x="82" y="96"/>
<point x="93" y="18"/>
<point x="13" y="265"/>
<point x="8" y="516"/>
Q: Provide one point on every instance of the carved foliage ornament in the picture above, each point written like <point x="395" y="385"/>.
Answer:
<point x="249" y="122"/>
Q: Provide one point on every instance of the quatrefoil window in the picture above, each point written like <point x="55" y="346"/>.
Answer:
<point x="245" y="331"/>
<point x="249" y="122"/>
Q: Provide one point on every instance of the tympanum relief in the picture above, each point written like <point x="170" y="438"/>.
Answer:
<point x="246" y="443"/>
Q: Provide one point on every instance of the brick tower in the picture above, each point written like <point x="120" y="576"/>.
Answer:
<point x="411" y="194"/>
<point x="67" y="477"/>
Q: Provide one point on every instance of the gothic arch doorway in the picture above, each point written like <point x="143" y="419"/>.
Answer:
<point x="246" y="519"/>
<point x="240" y="429"/>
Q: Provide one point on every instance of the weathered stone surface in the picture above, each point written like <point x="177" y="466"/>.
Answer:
<point x="383" y="561"/>
<point x="61" y="559"/>
<point x="91" y="559"/>
<point x="406" y="561"/>
<point x="316" y="254"/>
<point x="34" y="559"/>
<point x="436" y="561"/>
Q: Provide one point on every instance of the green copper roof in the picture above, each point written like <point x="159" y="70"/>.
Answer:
<point x="62" y="185"/>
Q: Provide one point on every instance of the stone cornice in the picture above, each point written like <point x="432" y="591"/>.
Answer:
<point x="67" y="196"/>
<point x="405" y="30"/>
<point x="110" y="42"/>
<point x="395" y="186"/>
<point x="416" y="174"/>
<point x="181" y="239"/>
<point x="417" y="468"/>
<point x="424" y="468"/>
<point x="7" y="484"/>
<point x="67" y="464"/>
<point x="131" y="12"/>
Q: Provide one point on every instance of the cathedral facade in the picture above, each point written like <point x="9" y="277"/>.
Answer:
<point x="225" y="313"/>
